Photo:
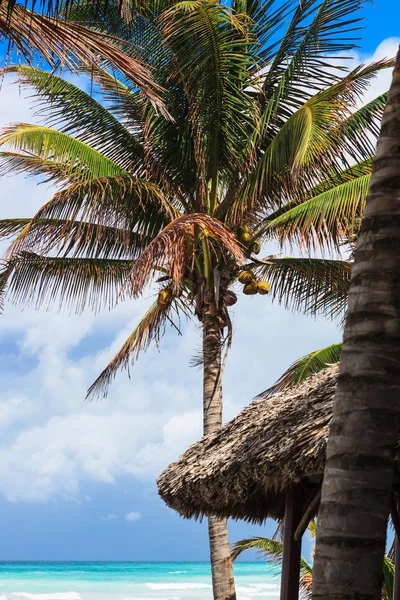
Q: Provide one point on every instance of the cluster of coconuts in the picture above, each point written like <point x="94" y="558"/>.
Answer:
<point x="164" y="298"/>
<point x="245" y="235"/>
<point x="251" y="285"/>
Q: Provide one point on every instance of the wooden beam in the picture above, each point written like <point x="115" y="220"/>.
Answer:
<point x="309" y="513"/>
<point x="291" y="548"/>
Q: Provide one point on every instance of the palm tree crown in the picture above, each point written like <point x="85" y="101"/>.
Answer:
<point x="263" y="141"/>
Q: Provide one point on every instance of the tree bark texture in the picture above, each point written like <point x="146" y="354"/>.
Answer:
<point x="359" y="469"/>
<point x="221" y="564"/>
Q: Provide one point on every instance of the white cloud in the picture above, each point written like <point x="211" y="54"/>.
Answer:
<point x="110" y="517"/>
<point x="132" y="516"/>
<point x="52" y="442"/>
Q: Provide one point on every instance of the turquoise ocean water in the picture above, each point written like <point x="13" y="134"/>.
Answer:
<point x="129" y="581"/>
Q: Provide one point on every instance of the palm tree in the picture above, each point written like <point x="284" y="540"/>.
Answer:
<point x="257" y="147"/>
<point x="358" y="479"/>
<point x="271" y="549"/>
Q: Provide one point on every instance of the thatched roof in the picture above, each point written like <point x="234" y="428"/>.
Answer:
<point x="243" y="471"/>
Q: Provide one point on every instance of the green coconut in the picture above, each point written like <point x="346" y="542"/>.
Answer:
<point x="263" y="287"/>
<point x="250" y="288"/>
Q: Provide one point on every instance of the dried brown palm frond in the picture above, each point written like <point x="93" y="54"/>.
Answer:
<point x="65" y="42"/>
<point x="174" y="244"/>
<point x="150" y="329"/>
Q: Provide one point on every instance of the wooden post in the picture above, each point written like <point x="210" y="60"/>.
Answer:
<point x="396" y="584"/>
<point x="291" y="548"/>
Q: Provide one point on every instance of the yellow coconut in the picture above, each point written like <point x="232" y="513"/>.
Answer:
<point x="250" y="288"/>
<point x="263" y="287"/>
<point x="245" y="238"/>
<point x="244" y="229"/>
<point x="246" y="276"/>
<point x="164" y="297"/>
<point x="255" y="247"/>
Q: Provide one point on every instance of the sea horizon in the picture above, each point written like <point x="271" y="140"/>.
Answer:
<point x="129" y="580"/>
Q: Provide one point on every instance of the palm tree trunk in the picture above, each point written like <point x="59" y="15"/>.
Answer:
<point x="221" y="565"/>
<point x="359" y="468"/>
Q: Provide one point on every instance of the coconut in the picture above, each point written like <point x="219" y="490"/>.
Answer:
<point x="263" y="287"/>
<point x="246" y="276"/>
<point x="255" y="247"/>
<point x="250" y="288"/>
<point x="230" y="298"/>
<point x="244" y="229"/>
<point x="164" y="298"/>
<point x="245" y="238"/>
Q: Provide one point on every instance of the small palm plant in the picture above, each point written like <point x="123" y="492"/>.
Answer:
<point x="271" y="550"/>
<point x="256" y="146"/>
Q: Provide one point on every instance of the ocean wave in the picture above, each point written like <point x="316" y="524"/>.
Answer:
<point x="54" y="596"/>
<point x="2" y="597"/>
<point x="179" y="586"/>
<point x="172" y="572"/>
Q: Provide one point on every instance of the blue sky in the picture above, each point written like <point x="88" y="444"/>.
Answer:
<point x="78" y="479"/>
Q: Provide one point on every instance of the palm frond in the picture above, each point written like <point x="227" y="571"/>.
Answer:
<point x="210" y="44"/>
<point x="131" y="204"/>
<point x="74" y="112"/>
<point x="327" y="217"/>
<point x="74" y="238"/>
<point x="360" y="130"/>
<point x="49" y="144"/>
<point x="311" y="285"/>
<point x="5" y="271"/>
<point x="301" y="66"/>
<point x="388" y="579"/>
<point x="59" y="40"/>
<point x="173" y="247"/>
<point x="150" y="329"/>
<point x="304" y="367"/>
<point x="271" y="549"/>
<point x="73" y="283"/>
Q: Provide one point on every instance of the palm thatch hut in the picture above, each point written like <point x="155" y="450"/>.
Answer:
<point x="267" y="462"/>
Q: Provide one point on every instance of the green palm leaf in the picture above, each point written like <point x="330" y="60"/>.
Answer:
<point x="300" y="66"/>
<point x="71" y="282"/>
<point x="326" y="218"/>
<point x="388" y="579"/>
<point x="311" y="285"/>
<point x="272" y="551"/>
<point x="304" y="367"/>
<point x="74" y="112"/>
<point x="210" y="45"/>
<point x="85" y="162"/>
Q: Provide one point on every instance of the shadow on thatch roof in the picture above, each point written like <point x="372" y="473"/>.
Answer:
<point x="243" y="471"/>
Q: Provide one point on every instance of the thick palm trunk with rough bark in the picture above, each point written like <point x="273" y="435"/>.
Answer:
<point x="221" y="564"/>
<point x="360" y="455"/>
